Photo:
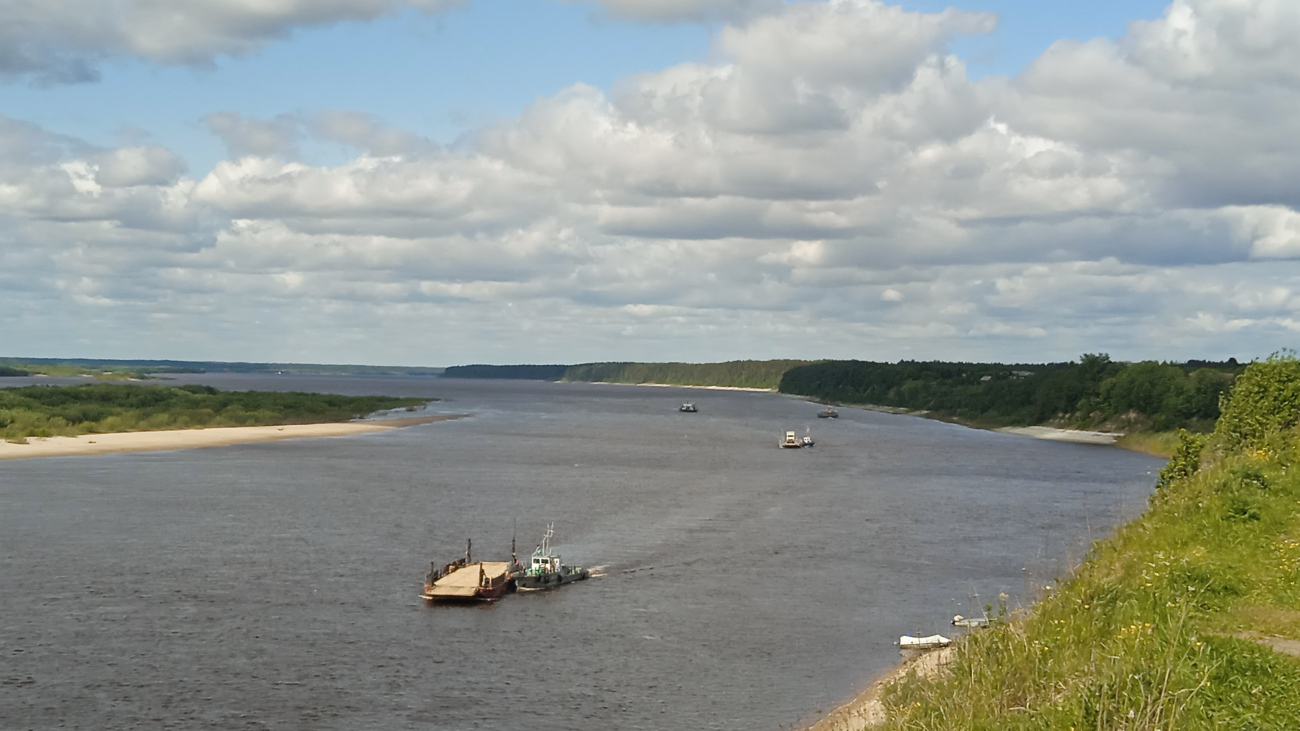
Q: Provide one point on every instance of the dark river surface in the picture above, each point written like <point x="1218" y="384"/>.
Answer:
<point x="742" y="586"/>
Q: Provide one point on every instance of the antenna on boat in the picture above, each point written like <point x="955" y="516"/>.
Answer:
<point x="513" y="533"/>
<point x="469" y="543"/>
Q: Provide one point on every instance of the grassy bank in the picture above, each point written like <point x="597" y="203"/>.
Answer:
<point x="1171" y="623"/>
<point x="45" y="411"/>
<point x="1154" y="443"/>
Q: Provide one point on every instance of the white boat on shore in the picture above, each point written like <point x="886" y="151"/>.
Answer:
<point x="929" y="642"/>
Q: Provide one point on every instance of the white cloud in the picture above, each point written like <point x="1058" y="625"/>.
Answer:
<point x="674" y="11"/>
<point x="63" y="41"/>
<point x="835" y="162"/>
<point x="138" y="166"/>
<point x="250" y="137"/>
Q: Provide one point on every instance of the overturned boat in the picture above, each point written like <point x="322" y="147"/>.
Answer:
<point x="545" y="570"/>
<point x="929" y="642"/>
<point x="466" y="580"/>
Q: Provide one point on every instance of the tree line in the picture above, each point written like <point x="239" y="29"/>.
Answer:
<point x="736" y="373"/>
<point x="1092" y="391"/>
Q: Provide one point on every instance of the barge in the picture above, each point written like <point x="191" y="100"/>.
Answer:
<point x="467" y="580"/>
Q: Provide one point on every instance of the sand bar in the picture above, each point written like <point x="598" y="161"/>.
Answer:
<point x="1061" y="435"/>
<point x="680" y="385"/>
<point x="155" y="441"/>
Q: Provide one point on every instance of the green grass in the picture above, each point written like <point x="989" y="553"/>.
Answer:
<point x="1144" y="635"/>
<point x="45" y="411"/>
<point x="1154" y="443"/>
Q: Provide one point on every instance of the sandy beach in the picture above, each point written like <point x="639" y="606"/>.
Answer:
<point x="678" y="385"/>
<point x="1061" y="435"/>
<point x="156" y="441"/>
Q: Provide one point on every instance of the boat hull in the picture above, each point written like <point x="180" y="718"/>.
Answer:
<point x="536" y="582"/>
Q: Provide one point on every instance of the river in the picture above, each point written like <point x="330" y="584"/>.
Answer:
<point x="741" y="586"/>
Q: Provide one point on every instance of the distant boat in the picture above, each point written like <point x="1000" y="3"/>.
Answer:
<point x="791" y="441"/>
<point x="828" y="413"/>
<point x="545" y="571"/>
<point x="807" y="440"/>
<point x="688" y="408"/>
<point x="930" y="642"/>
<point x="970" y="622"/>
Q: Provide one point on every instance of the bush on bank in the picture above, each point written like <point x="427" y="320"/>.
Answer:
<point x="1157" y="628"/>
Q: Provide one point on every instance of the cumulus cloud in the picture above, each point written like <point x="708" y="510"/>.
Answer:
<point x="362" y="131"/>
<point x="834" y="185"/>
<point x="246" y="137"/>
<point x="64" y="41"/>
<point x="674" y="11"/>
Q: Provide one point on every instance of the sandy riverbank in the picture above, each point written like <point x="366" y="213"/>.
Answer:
<point x="156" y="441"/>
<point x="678" y="385"/>
<point x="1061" y="435"/>
<point x="867" y="710"/>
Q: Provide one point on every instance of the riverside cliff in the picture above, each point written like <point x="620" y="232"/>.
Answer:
<point x="1188" y="618"/>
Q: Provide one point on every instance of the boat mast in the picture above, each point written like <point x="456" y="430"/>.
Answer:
<point x="469" y="543"/>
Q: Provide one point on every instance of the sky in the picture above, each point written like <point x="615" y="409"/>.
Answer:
<point x="439" y="182"/>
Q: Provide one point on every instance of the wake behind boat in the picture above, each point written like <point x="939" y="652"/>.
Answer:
<point x="545" y="570"/>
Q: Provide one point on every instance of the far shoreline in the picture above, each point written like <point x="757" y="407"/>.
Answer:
<point x="86" y="445"/>
<point x="679" y="385"/>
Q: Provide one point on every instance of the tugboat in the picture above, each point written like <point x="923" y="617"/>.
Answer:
<point x="545" y="571"/>
<point x="828" y="413"/>
<point x="467" y="580"/>
<point x="688" y="408"/>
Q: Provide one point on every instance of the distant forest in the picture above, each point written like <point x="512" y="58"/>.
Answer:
<point x="1091" y="392"/>
<point x="519" y="372"/>
<point x="143" y="368"/>
<point x="736" y="373"/>
<point x="44" y="411"/>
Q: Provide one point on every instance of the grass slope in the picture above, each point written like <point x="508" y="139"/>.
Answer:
<point x="1158" y="628"/>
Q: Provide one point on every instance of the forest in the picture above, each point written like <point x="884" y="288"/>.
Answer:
<point x="44" y="411"/>
<point x="520" y="372"/>
<point x="733" y="374"/>
<point x="1093" y="391"/>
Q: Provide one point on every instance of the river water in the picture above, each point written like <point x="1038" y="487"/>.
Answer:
<point x="741" y="587"/>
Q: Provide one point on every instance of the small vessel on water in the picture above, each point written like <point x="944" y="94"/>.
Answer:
<point x="807" y="440"/>
<point x="791" y="440"/>
<point x="688" y="408"/>
<point x="828" y="413"/>
<point x="544" y="570"/>
<point x="970" y="622"/>
<point x="467" y="580"/>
